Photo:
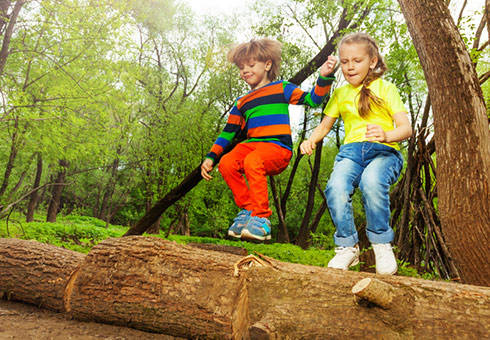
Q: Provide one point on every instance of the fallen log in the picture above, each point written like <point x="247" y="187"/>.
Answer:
<point x="160" y="286"/>
<point x="36" y="273"/>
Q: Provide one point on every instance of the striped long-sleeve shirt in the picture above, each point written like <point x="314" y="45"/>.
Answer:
<point x="264" y="114"/>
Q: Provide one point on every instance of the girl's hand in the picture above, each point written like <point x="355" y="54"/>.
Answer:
<point x="206" y="167"/>
<point x="328" y="66"/>
<point x="374" y="133"/>
<point x="307" y="147"/>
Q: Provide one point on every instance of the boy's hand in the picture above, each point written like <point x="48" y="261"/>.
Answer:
<point x="374" y="133"/>
<point x="307" y="147"/>
<point x="206" y="167"/>
<point x="328" y="66"/>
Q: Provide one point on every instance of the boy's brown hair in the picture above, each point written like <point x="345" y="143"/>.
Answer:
<point x="260" y="50"/>
<point x="367" y="97"/>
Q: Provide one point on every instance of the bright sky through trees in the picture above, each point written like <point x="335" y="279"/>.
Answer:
<point x="213" y="7"/>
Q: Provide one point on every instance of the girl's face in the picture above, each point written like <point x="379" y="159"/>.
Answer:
<point x="356" y="62"/>
<point x="255" y="72"/>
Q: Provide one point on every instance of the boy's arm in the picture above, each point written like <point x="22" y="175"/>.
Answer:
<point x="233" y="126"/>
<point x="294" y="95"/>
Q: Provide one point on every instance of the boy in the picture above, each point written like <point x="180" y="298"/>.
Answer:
<point x="263" y="114"/>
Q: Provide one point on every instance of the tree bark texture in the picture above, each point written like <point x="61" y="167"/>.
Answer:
<point x="12" y="156"/>
<point x="34" y="197"/>
<point x="161" y="286"/>
<point x="35" y="272"/>
<point x="9" y="20"/>
<point x="461" y="135"/>
<point x="57" y="190"/>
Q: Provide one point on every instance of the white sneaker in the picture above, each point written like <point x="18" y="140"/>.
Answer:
<point x="385" y="259"/>
<point x="345" y="257"/>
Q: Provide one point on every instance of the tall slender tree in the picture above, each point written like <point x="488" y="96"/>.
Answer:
<point x="461" y="136"/>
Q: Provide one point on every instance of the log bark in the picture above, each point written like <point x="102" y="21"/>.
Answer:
<point x="160" y="286"/>
<point x="36" y="273"/>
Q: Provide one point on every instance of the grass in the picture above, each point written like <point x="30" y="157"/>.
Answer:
<point x="81" y="233"/>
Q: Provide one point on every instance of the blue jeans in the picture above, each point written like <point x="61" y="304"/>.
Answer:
<point x="372" y="167"/>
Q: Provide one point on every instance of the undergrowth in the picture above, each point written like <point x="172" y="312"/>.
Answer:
<point x="81" y="233"/>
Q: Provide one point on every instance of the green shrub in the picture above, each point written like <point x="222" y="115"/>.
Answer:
<point x="78" y="233"/>
<point x="279" y="251"/>
<point x="81" y="233"/>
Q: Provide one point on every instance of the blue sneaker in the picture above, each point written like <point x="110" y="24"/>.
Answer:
<point x="239" y="223"/>
<point x="257" y="228"/>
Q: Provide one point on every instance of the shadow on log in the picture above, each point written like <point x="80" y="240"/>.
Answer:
<point x="160" y="286"/>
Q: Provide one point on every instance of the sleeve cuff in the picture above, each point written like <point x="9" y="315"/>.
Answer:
<point x="324" y="81"/>
<point x="210" y="156"/>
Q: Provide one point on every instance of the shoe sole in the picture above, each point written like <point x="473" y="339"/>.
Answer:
<point x="352" y="264"/>
<point x="232" y="234"/>
<point x="393" y="272"/>
<point x="249" y="236"/>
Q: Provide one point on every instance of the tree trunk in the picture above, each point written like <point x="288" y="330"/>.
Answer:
<point x="155" y="227"/>
<point x="10" y="20"/>
<point x="461" y="135"/>
<point x="12" y="155"/>
<point x="282" y="234"/>
<point x="304" y="237"/>
<point x="104" y="212"/>
<point x="161" y="286"/>
<point x="4" y="6"/>
<point x="487" y="13"/>
<point x="54" y="203"/>
<point x="34" y="198"/>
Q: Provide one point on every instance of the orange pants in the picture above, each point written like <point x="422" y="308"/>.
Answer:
<point x="255" y="160"/>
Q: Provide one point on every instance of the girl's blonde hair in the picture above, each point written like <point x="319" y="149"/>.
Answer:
<point x="366" y="96"/>
<point x="260" y="50"/>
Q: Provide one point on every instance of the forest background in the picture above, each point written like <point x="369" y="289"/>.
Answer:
<point x="105" y="106"/>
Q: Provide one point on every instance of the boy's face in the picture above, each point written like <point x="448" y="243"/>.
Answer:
<point x="255" y="73"/>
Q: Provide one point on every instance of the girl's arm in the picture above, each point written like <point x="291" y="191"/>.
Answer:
<point x="403" y="130"/>
<point x="320" y="131"/>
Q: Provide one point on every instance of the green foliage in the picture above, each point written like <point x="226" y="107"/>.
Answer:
<point x="146" y="85"/>
<point x="78" y="233"/>
<point x="81" y="233"/>
<point x="278" y="251"/>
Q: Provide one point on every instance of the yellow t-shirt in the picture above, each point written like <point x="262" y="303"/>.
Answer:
<point x="344" y="102"/>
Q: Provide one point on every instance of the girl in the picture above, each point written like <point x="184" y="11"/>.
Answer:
<point x="263" y="113"/>
<point x="375" y="119"/>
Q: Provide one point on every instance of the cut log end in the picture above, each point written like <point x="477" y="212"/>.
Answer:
<point x="361" y="285"/>
<point x="375" y="291"/>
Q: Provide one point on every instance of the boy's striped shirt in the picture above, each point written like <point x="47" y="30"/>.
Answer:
<point x="264" y="113"/>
